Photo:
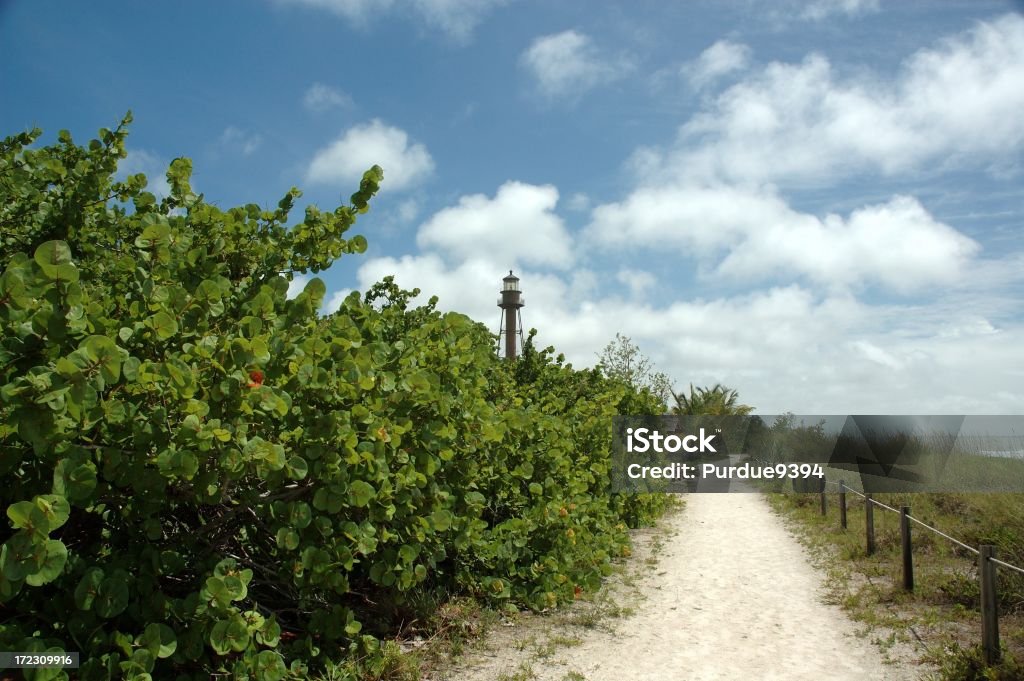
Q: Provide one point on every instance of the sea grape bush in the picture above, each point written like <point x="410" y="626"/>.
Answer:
<point x="203" y="476"/>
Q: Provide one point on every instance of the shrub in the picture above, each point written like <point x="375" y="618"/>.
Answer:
<point x="204" y="476"/>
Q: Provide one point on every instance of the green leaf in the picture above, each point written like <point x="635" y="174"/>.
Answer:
<point x="52" y="565"/>
<point x="154" y="236"/>
<point x="287" y="538"/>
<point x="299" y="514"/>
<point x="74" y="481"/>
<point x="358" y="244"/>
<point x="219" y="637"/>
<point x="27" y="516"/>
<point x="178" y="463"/>
<point x="106" y="355"/>
<point x="22" y="557"/>
<point x="270" y="633"/>
<point x="270" y="666"/>
<point x="159" y="640"/>
<point x="54" y="259"/>
<point x="229" y="635"/>
<point x="88" y="588"/>
<point x="9" y="588"/>
<point x="55" y="508"/>
<point x="296" y="468"/>
<point x="360" y="493"/>
<point x="315" y="288"/>
<point x="163" y="325"/>
<point x="441" y="519"/>
<point x="111" y="597"/>
<point x="235" y="587"/>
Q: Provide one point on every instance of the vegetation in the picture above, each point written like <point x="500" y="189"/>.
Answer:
<point x="943" y="611"/>
<point x="204" y="477"/>
<point x="714" y="401"/>
<point x="622" y="360"/>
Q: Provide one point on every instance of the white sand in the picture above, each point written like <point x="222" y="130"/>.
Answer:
<point x="733" y="597"/>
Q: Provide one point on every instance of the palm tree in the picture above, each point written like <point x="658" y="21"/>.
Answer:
<point x="715" y="401"/>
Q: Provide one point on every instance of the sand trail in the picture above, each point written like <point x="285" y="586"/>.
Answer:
<point x="733" y="596"/>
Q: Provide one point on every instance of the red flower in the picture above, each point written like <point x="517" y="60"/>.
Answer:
<point x="255" y="379"/>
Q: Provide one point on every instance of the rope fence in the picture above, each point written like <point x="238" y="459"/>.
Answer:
<point x="987" y="560"/>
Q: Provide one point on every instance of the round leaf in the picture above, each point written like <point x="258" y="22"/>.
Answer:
<point x="54" y="259"/>
<point x="360" y="493"/>
<point x="159" y="640"/>
<point x="53" y="564"/>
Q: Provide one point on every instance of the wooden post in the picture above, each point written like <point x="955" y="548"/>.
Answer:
<point x="989" y="605"/>
<point x="908" y="557"/>
<point x="823" y="502"/>
<point x="842" y="504"/>
<point x="869" y="521"/>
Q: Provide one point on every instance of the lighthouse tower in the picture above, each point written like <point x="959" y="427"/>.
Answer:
<point x="511" y="328"/>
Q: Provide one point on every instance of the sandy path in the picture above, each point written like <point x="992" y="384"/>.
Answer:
<point x="733" y="597"/>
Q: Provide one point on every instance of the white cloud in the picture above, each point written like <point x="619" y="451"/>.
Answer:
<point x="240" y="141"/>
<point x="320" y="97"/>
<point x="748" y="235"/>
<point x="804" y="123"/>
<point x="346" y="159"/>
<point x="720" y="59"/>
<point x="517" y="226"/>
<point x="637" y="281"/>
<point x="567" y="64"/>
<point x="456" y="18"/>
<point x="408" y="210"/>
<point x="823" y="9"/>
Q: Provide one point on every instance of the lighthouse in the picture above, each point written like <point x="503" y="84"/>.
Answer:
<point x="511" y="327"/>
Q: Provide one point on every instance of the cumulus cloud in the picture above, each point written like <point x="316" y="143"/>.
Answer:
<point x="518" y="225"/>
<point x="722" y="58"/>
<point x="751" y="235"/>
<point x="456" y="18"/>
<point x="567" y="64"/>
<point x="805" y="123"/>
<point x="637" y="281"/>
<point x="344" y="160"/>
<point x="319" y="98"/>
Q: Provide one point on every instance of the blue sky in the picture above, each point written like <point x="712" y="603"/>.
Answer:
<point x="817" y="203"/>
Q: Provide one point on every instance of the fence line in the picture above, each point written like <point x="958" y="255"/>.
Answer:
<point x="987" y="562"/>
<point x="1006" y="565"/>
